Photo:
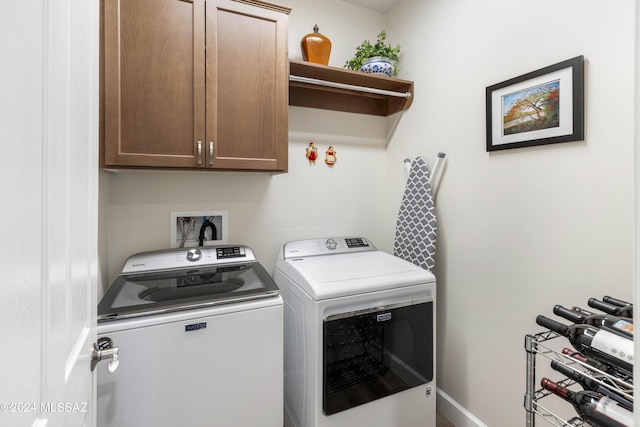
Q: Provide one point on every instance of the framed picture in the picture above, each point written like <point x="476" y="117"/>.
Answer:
<point x="545" y="106"/>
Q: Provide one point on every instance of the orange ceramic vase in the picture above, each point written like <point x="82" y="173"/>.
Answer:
<point x="316" y="47"/>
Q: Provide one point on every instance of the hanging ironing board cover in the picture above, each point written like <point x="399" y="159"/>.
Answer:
<point x="416" y="226"/>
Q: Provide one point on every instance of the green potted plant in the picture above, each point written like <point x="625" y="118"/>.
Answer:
<point x="367" y="57"/>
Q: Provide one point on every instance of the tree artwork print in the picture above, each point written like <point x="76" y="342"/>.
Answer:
<point x="532" y="109"/>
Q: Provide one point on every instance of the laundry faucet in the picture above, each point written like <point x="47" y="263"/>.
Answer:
<point x="214" y="232"/>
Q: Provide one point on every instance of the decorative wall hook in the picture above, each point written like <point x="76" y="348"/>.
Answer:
<point x="330" y="156"/>
<point x="312" y="153"/>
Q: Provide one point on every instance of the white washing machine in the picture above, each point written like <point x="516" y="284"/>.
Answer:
<point x="199" y="338"/>
<point x="358" y="334"/>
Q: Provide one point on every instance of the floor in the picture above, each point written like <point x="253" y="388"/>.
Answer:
<point x="441" y="421"/>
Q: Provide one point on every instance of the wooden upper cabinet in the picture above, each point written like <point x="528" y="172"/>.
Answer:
<point x="195" y="84"/>
<point x="247" y="85"/>
<point x="154" y="82"/>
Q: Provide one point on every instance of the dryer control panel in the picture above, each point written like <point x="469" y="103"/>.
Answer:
<point x="356" y="242"/>
<point x="326" y="246"/>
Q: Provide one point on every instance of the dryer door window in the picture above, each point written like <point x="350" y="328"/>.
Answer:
<point x="373" y="353"/>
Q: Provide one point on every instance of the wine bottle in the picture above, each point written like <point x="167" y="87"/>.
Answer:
<point x="615" y="310"/>
<point x="617" y="325"/>
<point x="595" y="342"/>
<point x="589" y="383"/>
<point x="601" y="366"/>
<point x="594" y="408"/>
<point x="615" y="301"/>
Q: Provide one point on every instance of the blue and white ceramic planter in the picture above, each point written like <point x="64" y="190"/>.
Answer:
<point x="378" y="65"/>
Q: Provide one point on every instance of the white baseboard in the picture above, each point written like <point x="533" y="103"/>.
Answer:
<point x="455" y="412"/>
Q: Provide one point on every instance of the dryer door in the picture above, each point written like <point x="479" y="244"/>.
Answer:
<point x="373" y="353"/>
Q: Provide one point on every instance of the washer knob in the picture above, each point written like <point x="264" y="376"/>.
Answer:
<point x="194" y="254"/>
<point x="331" y="244"/>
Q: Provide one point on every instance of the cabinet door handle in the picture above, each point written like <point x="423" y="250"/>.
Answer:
<point x="210" y="153"/>
<point x="199" y="160"/>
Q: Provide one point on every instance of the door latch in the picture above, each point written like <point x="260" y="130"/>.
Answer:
<point x="104" y="350"/>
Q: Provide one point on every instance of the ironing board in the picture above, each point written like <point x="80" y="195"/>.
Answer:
<point x="415" y="239"/>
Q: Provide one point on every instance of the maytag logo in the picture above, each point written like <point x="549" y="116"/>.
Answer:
<point x="383" y="317"/>
<point x="195" y="326"/>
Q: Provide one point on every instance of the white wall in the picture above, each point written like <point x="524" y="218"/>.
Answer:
<point x="519" y="230"/>
<point x="264" y="210"/>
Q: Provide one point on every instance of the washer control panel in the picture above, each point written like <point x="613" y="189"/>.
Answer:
<point x="230" y="252"/>
<point x="326" y="246"/>
<point x="186" y="257"/>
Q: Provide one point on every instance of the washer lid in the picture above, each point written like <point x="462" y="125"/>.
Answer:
<point x="343" y="274"/>
<point x="141" y="294"/>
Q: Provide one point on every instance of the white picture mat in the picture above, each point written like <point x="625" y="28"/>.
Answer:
<point x="565" y="77"/>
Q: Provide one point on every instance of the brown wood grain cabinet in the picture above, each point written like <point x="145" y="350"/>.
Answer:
<point x="195" y="84"/>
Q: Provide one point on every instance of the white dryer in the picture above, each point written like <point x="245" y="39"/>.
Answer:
<point x="359" y="340"/>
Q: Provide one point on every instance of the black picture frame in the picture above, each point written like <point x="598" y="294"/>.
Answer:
<point x="545" y="106"/>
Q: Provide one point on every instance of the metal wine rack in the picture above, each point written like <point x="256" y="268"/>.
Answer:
<point x="538" y="344"/>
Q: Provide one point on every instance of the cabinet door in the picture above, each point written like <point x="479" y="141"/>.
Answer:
<point x="247" y="85"/>
<point x="154" y="90"/>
